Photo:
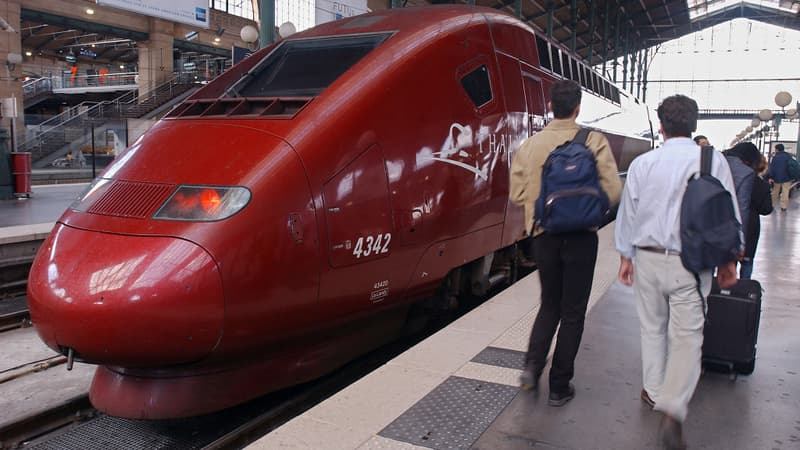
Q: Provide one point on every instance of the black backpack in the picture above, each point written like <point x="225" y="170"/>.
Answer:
<point x="571" y="198"/>
<point x="710" y="234"/>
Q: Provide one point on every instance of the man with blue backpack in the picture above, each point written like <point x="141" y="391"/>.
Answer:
<point x="677" y="221"/>
<point x="782" y="171"/>
<point x="567" y="180"/>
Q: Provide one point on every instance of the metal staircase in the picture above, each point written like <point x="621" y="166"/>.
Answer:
<point x="52" y="135"/>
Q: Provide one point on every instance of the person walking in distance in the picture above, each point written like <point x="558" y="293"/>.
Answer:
<point x="760" y="204"/>
<point x="565" y="260"/>
<point x="779" y="176"/>
<point x="669" y="301"/>
<point x="701" y="140"/>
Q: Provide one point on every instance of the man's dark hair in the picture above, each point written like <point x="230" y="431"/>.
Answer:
<point x="565" y="96"/>
<point x="678" y="116"/>
<point x="779" y="147"/>
<point x="747" y="152"/>
<point x="698" y="138"/>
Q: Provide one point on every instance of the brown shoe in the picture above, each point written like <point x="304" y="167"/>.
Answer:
<point x="646" y="399"/>
<point x="670" y="433"/>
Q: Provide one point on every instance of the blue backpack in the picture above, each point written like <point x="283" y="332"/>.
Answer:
<point x="710" y="234"/>
<point x="794" y="168"/>
<point x="571" y="198"/>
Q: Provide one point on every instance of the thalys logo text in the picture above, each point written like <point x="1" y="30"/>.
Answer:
<point x="468" y="149"/>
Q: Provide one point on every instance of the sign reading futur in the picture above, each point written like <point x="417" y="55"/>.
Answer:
<point x="190" y="12"/>
<point x="328" y="10"/>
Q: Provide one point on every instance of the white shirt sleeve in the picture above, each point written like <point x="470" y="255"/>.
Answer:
<point x="626" y="214"/>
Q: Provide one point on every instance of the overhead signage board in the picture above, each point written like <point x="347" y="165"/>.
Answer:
<point x="190" y="12"/>
<point x="329" y="10"/>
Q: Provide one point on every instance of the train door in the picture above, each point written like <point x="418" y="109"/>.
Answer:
<point x="360" y="237"/>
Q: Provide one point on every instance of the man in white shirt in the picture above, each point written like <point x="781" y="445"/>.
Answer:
<point x="669" y="303"/>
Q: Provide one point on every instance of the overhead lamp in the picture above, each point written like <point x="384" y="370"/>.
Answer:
<point x="12" y="59"/>
<point x="287" y="29"/>
<point x="249" y="34"/>
<point x="89" y="11"/>
<point x="28" y="53"/>
<point x="121" y="66"/>
<point x="755" y="122"/>
<point x="216" y="39"/>
<point x="783" y="99"/>
<point x="765" y="115"/>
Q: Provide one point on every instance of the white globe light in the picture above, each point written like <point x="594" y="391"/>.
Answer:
<point x="749" y="128"/>
<point x="755" y="122"/>
<point x="791" y="113"/>
<point x="287" y="29"/>
<point x="249" y="34"/>
<point x="765" y="115"/>
<point x="783" y="98"/>
<point x="734" y="142"/>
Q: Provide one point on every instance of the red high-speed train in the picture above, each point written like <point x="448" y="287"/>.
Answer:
<point x="284" y="218"/>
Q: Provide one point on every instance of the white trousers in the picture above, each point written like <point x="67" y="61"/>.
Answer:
<point x="671" y="317"/>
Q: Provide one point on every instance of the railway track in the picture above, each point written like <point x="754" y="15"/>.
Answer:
<point x="14" y="313"/>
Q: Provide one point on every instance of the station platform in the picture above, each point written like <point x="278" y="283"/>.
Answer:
<point x="32" y="218"/>
<point x="459" y="388"/>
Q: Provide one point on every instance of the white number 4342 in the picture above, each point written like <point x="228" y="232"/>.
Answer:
<point x="372" y="245"/>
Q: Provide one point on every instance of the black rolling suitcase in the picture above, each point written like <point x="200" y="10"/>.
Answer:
<point x="731" y="330"/>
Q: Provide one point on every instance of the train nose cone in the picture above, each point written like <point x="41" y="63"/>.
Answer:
<point x="132" y="301"/>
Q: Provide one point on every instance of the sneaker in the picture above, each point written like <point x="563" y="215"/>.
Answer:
<point x="529" y="380"/>
<point x="561" y="398"/>
<point x="670" y="433"/>
<point x="646" y="399"/>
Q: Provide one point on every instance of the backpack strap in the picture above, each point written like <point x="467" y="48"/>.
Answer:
<point x="581" y="136"/>
<point x="706" y="157"/>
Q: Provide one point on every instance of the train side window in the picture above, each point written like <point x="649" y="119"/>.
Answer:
<point x="565" y="65"/>
<point x="575" y="74"/>
<point x="587" y="75"/>
<point x="595" y="85"/>
<point x="556" y="57"/>
<point x="477" y="85"/>
<point x="544" y="53"/>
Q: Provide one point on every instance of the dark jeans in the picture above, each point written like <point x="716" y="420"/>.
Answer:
<point x="565" y="263"/>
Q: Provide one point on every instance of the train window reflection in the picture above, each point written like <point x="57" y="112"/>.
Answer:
<point x="477" y="85"/>
<point x="556" y="54"/>
<point x="576" y="75"/>
<point x="305" y="66"/>
<point x="544" y="53"/>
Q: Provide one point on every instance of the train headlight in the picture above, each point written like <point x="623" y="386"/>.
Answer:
<point x="203" y="203"/>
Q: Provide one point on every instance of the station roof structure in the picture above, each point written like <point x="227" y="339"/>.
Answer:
<point x="601" y="30"/>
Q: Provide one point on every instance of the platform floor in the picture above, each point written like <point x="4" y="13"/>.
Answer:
<point x="45" y="205"/>
<point x="458" y="389"/>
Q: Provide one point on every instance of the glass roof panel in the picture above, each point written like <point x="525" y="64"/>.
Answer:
<point x="699" y="8"/>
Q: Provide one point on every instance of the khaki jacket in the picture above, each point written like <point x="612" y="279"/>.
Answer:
<point x="526" y="168"/>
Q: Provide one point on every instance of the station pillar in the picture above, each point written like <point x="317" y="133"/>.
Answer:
<point x="155" y="56"/>
<point x="11" y="74"/>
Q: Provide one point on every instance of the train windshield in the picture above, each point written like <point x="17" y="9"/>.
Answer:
<point x="304" y="67"/>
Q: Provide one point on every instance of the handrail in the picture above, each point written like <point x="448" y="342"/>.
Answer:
<point x="36" y="86"/>
<point x="98" y="110"/>
<point x="106" y="79"/>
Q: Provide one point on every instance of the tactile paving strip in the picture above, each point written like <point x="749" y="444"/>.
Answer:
<point x="453" y="415"/>
<point x="502" y="357"/>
